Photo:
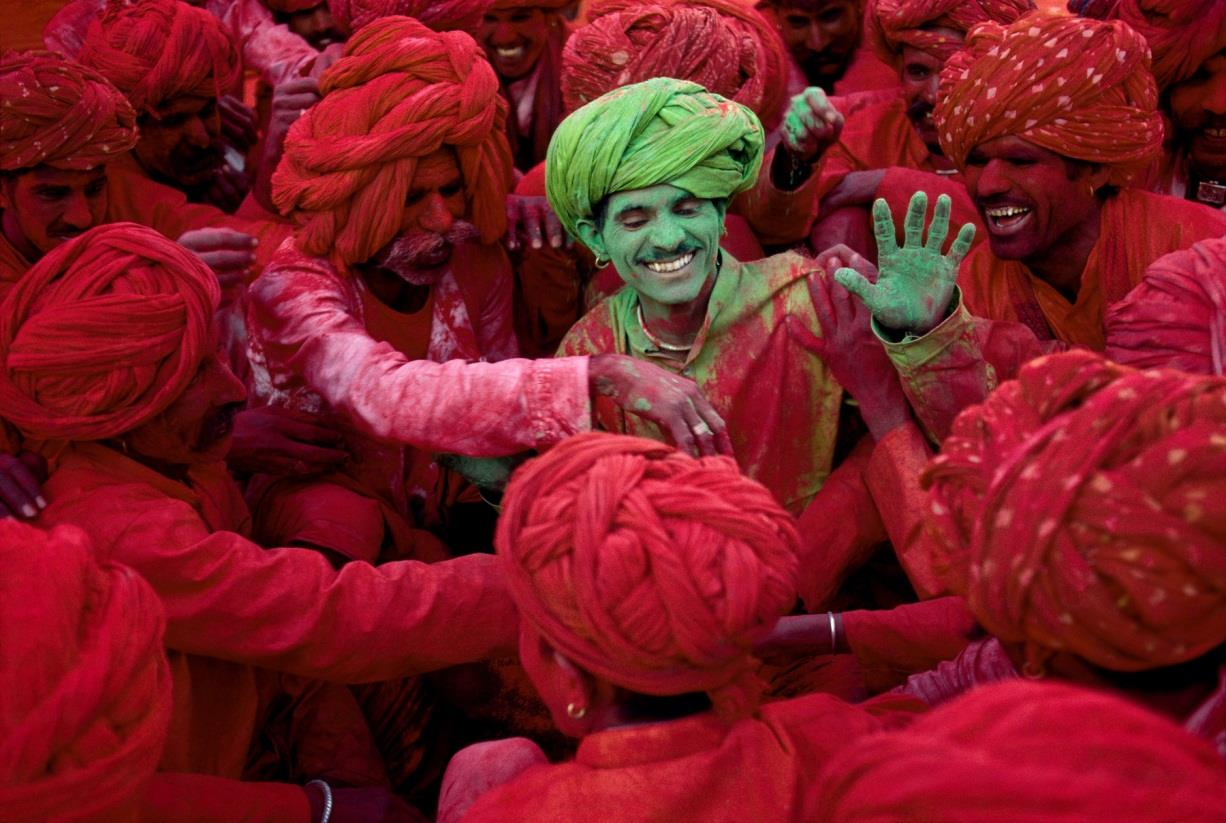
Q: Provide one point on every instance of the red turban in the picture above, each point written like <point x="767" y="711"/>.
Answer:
<point x="400" y="92"/>
<point x="103" y="333"/>
<point x="158" y="50"/>
<point x="1022" y="751"/>
<point x="84" y="687"/>
<point x="448" y="15"/>
<point x="893" y="24"/>
<point x="1076" y="87"/>
<point x="725" y="46"/>
<point x="545" y="5"/>
<point x="292" y="6"/>
<point x="1176" y="316"/>
<point x="1082" y="508"/>
<point x="1182" y="34"/>
<point x="60" y="114"/>
<point x="648" y="568"/>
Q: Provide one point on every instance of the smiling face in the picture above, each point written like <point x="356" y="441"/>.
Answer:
<point x="182" y="145"/>
<point x="1030" y="199"/>
<point x="1198" y="108"/>
<point x="44" y="207"/>
<point x="920" y="75"/>
<point x="662" y="240"/>
<point x="514" y="39"/>
<point x="822" y="35"/>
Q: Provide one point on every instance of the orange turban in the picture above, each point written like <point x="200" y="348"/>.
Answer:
<point x="85" y="695"/>
<point x="157" y="50"/>
<point x="1076" y="87"/>
<point x="400" y="92"/>
<point x="1176" y="316"/>
<point x="1182" y="34"/>
<point x="893" y="24"/>
<point x="1082" y="508"/>
<point x="1022" y="751"/>
<point x="103" y="333"/>
<point x="59" y="113"/>
<point x="646" y="567"/>
<point x="725" y="46"/>
<point x="448" y="15"/>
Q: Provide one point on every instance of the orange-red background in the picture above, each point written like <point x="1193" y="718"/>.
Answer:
<point x="23" y="27"/>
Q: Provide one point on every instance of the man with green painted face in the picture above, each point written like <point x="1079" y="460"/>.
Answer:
<point x="643" y="175"/>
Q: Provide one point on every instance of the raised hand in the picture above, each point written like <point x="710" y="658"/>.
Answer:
<point x="531" y="222"/>
<point x="915" y="282"/>
<point x="671" y="401"/>
<point x="228" y="252"/>
<point x="21" y="477"/>
<point x="812" y="124"/>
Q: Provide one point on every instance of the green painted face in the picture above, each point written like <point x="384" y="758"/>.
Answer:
<point x="662" y="240"/>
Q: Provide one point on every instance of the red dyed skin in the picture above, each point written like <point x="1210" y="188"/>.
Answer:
<point x="43" y="207"/>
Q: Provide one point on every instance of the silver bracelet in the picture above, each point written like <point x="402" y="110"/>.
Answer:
<point x="327" y="799"/>
<point x="834" y="646"/>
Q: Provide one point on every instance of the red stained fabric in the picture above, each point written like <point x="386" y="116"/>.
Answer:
<point x="448" y="15"/>
<point x="1077" y="87"/>
<point x="1081" y="508"/>
<point x="893" y="24"/>
<point x="891" y="644"/>
<point x="157" y="50"/>
<point x="60" y="114"/>
<point x="1176" y="317"/>
<point x="759" y="769"/>
<point x="1182" y="34"/>
<point x="85" y="693"/>
<point x="103" y="333"/>
<point x="649" y="568"/>
<point x="1023" y="751"/>
<point x="400" y="92"/>
<point x="726" y="46"/>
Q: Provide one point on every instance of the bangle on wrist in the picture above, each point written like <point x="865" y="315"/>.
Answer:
<point x="834" y="634"/>
<point x="327" y="793"/>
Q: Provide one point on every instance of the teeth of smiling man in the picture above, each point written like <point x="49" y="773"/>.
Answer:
<point x="510" y="54"/>
<point x="1215" y="133"/>
<point x="667" y="266"/>
<point x="1005" y="212"/>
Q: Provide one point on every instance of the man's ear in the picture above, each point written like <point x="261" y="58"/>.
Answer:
<point x="1097" y="174"/>
<point x="591" y="237"/>
<point x="721" y="206"/>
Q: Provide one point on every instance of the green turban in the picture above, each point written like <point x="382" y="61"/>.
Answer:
<point x="647" y="134"/>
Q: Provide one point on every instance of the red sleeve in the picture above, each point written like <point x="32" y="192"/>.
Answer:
<point x="778" y="217"/>
<point x="839" y="530"/>
<point x="200" y="798"/>
<point x="300" y="324"/>
<point x="891" y="644"/>
<point x="288" y="609"/>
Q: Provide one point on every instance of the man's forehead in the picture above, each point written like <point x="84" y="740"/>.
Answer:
<point x="50" y="176"/>
<point x="187" y="104"/>
<point x="646" y="198"/>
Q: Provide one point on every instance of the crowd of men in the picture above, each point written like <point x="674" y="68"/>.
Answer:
<point x="632" y="410"/>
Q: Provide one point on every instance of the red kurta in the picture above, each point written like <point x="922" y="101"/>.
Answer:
<point x="780" y="402"/>
<point x="697" y="768"/>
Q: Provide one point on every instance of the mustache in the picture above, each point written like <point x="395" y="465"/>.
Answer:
<point x="680" y="251"/>
<point x="408" y="249"/>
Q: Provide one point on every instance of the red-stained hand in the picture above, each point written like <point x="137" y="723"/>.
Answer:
<point x="289" y="100"/>
<point x="858" y="188"/>
<point x="672" y="402"/>
<point x="531" y="222"/>
<point x="21" y="477"/>
<point x="238" y="124"/>
<point x="229" y="253"/>
<point x="227" y="188"/>
<point x="280" y="442"/>
<point x="849" y="348"/>
<point x="368" y="805"/>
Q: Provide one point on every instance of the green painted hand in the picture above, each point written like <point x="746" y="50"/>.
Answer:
<point x="916" y="282"/>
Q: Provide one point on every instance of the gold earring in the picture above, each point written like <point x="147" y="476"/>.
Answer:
<point x="575" y="712"/>
<point x="601" y="262"/>
<point x="1092" y="192"/>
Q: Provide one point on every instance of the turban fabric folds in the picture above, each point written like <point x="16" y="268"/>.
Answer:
<point x="1076" y="87"/>
<point x="647" y="134"/>
<point x="1082" y="508"/>
<point x="399" y="93"/>
<point x="85" y="692"/>
<point x="157" y="50"/>
<point x="58" y="113"/>
<point x="893" y="24"/>
<point x="1182" y="34"/>
<point x="1024" y="751"/>
<point x="648" y="568"/>
<point x="103" y="333"/>
<point x="1176" y="316"/>
<point x="447" y="15"/>
<point x="725" y="46"/>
